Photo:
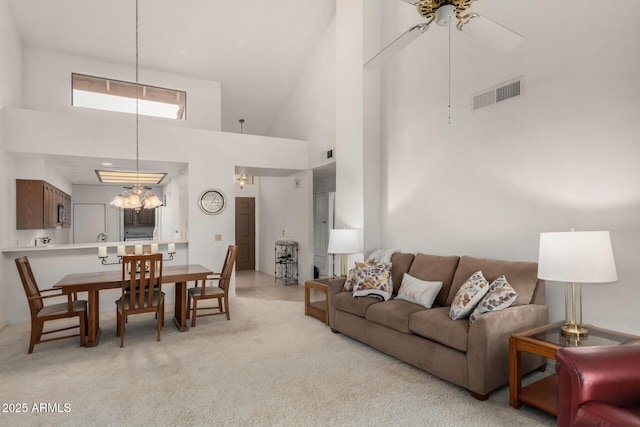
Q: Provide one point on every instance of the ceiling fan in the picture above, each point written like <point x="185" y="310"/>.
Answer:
<point x="444" y="13"/>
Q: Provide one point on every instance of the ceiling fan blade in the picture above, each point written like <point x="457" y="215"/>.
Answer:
<point x="397" y="45"/>
<point x="492" y="34"/>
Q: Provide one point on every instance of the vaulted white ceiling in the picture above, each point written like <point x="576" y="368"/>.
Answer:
<point x="254" y="48"/>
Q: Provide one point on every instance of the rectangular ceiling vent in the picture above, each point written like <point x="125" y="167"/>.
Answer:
<point x="498" y="93"/>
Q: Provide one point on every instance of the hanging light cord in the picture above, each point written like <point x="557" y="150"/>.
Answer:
<point x="137" y="108"/>
<point x="450" y="113"/>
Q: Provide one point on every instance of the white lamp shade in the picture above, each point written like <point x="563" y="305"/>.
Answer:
<point x="151" y="201"/>
<point x="343" y="241"/>
<point x="577" y="257"/>
<point x="118" y="201"/>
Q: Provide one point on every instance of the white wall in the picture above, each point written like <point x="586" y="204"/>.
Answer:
<point x="11" y="64"/>
<point x="47" y="87"/>
<point x="308" y="112"/>
<point x="349" y="114"/>
<point x="284" y="207"/>
<point x="562" y="155"/>
<point x="371" y="144"/>
<point x="324" y="184"/>
<point x="10" y="96"/>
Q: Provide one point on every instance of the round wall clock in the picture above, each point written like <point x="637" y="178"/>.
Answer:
<point x="211" y="201"/>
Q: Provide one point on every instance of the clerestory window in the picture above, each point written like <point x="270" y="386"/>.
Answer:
<point x="115" y="95"/>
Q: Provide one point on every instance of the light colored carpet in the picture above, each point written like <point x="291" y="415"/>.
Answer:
<point x="269" y="365"/>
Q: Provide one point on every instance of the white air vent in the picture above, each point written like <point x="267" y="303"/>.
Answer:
<point x="498" y="93"/>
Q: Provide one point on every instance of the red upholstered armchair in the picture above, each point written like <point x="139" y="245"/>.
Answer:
<point x="599" y="386"/>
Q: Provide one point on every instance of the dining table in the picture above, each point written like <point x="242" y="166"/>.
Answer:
<point x="94" y="282"/>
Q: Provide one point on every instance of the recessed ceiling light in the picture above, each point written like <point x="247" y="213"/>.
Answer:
<point x="106" y="164"/>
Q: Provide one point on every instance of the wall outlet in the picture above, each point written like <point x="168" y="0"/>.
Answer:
<point x="217" y="237"/>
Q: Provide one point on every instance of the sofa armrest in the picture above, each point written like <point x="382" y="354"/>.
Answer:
<point x="608" y="374"/>
<point x="488" y="345"/>
<point x="335" y="286"/>
<point x="600" y="414"/>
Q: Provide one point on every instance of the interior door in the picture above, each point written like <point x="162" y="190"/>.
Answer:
<point x="246" y="233"/>
<point x="89" y="220"/>
<point x="323" y="223"/>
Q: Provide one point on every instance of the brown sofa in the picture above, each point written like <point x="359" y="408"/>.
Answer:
<point x="475" y="356"/>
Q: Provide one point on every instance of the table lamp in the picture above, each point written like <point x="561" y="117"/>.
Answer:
<point x="343" y="242"/>
<point x="576" y="257"/>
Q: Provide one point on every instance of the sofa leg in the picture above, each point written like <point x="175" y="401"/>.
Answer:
<point x="481" y="397"/>
<point x="334" y="331"/>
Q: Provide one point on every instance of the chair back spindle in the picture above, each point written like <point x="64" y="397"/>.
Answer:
<point x="141" y="276"/>
<point x="141" y="290"/>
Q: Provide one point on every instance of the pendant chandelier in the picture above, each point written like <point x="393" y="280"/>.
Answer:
<point x="137" y="197"/>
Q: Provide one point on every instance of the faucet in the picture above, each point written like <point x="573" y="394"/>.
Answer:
<point x="102" y="237"/>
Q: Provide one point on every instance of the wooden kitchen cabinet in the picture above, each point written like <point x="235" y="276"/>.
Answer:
<point x="147" y="217"/>
<point x="41" y="205"/>
<point x="128" y="216"/>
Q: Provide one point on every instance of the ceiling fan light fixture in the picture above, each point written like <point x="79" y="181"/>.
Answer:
<point x="445" y="15"/>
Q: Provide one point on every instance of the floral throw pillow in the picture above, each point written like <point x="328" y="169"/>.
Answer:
<point x="468" y="296"/>
<point x="351" y="276"/>
<point x="500" y="296"/>
<point x="373" y="281"/>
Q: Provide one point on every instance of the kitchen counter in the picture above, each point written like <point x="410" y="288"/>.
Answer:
<point x="70" y="246"/>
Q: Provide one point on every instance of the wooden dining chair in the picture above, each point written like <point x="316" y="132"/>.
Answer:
<point x="40" y="313"/>
<point x="141" y="290"/>
<point x="220" y="292"/>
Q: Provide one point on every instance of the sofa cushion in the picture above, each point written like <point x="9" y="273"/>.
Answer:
<point x="436" y="269"/>
<point x="421" y="292"/>
<point x="344" y="301"/>
<point x="373" y="280"/>
<point x="523" y="276"/>
<point x="393" y="314"/>
<point x="400" y="264"/>
<point x="500" y="296"/>
<point x="436" y="325"/>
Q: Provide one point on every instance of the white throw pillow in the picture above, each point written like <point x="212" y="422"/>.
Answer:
<point x="418" y="291"/>
<point x="500" y="296"/>
<point x="468" y="296"/>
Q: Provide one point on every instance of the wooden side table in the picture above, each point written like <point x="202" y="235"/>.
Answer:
<point x="545" y="341"/>
<point x="317" y="309"/>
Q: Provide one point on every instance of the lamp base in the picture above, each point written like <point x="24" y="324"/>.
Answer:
<point x="343" y="265"/>
<point x="574" y="331"/>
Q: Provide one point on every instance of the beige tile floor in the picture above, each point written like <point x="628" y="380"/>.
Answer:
<point x="254" y="284"/>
